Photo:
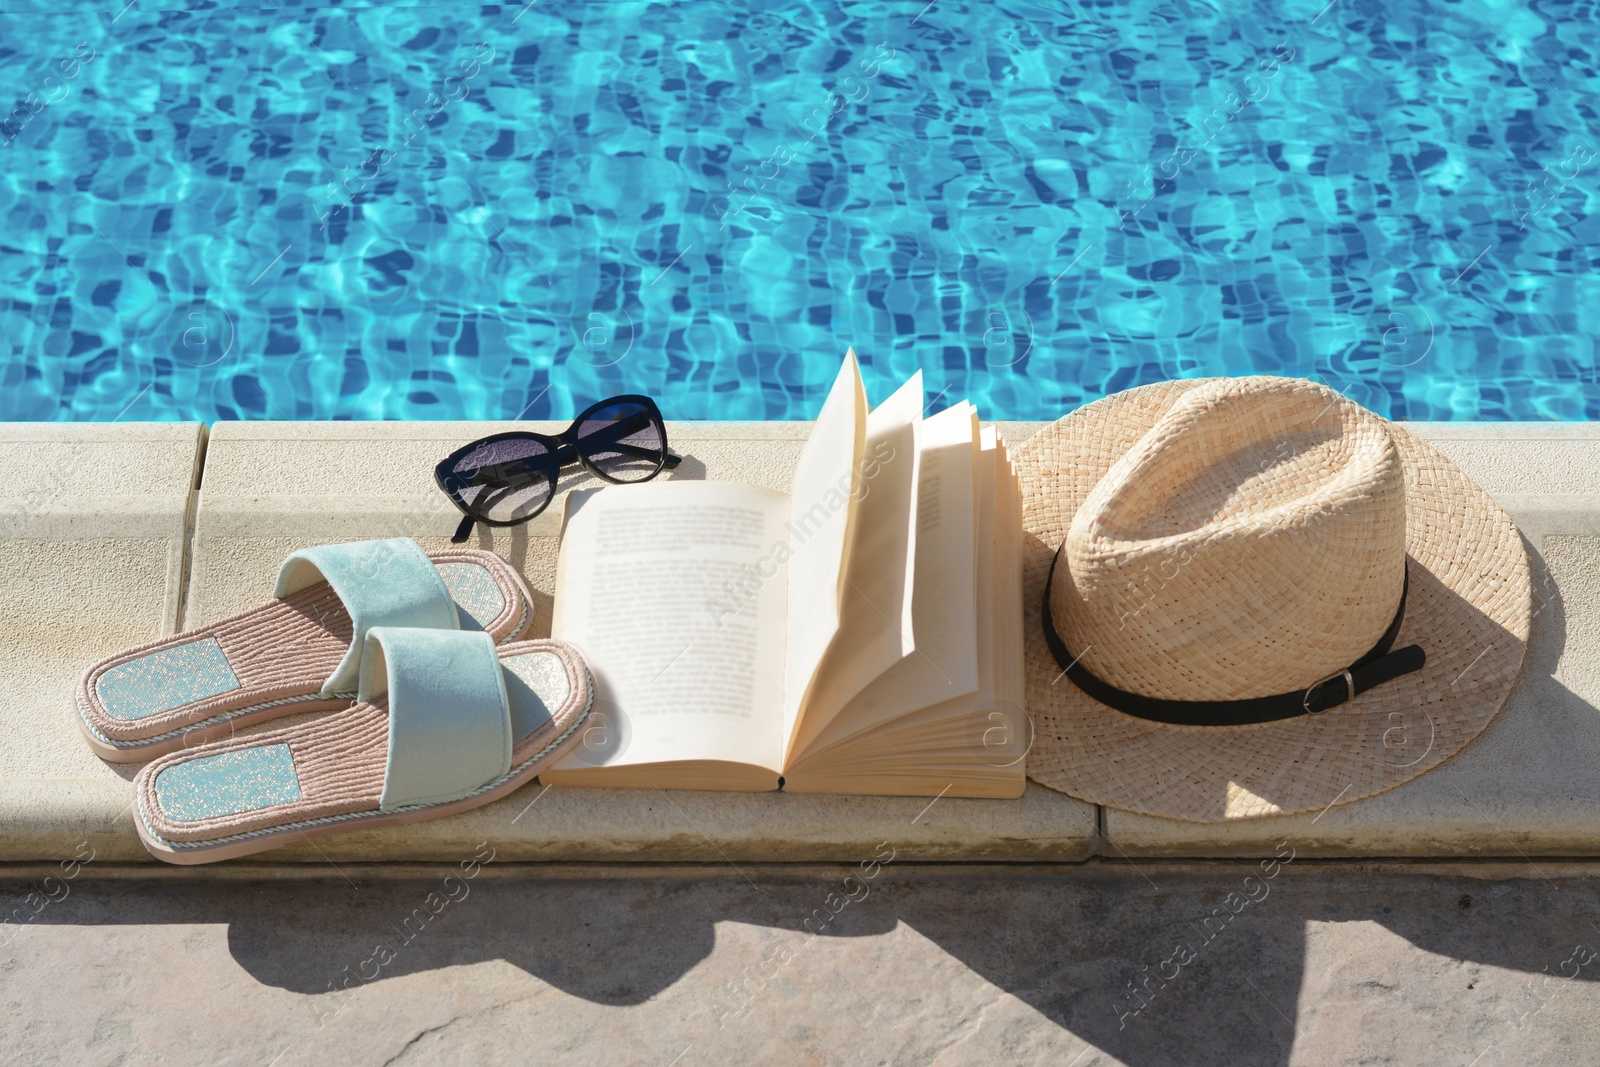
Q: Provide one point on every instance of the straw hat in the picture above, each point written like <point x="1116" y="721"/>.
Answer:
<point x="1266" y="554"/>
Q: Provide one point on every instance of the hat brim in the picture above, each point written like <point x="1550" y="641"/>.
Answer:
<point x="1469" y="607"/>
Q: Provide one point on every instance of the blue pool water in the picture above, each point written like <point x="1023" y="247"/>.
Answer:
<point x="379" y="210"/>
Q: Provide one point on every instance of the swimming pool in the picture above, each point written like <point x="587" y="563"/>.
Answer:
<point x="369" y="210"/>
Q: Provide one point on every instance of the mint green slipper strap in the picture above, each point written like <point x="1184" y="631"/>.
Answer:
<point x="382" y="583"/>
<point x="449" y="718"/>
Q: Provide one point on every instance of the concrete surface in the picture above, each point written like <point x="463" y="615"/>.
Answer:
<point x="1487" y="966"/>
<point x="92" y="543"/>
<point x="1530" y="785"/>
<point x="95" y="515"/>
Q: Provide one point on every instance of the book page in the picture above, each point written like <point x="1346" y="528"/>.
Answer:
<point x="675" y="594"/>
<point x="973" y="745"/>
<point x="823" y="504"/>
<point x="857" y="735"/>
<point x="883" y="550"/>
<point x="944" y="664"/>
<point x="994" y="735"/>
<point x="876" y="625"/>
<point x="1009" y="686"/>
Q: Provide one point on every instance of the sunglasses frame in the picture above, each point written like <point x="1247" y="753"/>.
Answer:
<point x="559" y="448"/>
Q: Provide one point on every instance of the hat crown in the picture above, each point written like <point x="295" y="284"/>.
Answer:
<point x="1251" y="543"/>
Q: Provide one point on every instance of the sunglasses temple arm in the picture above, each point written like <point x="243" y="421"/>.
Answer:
<point x="672" y="461"/>
<point x="463" y="531"/>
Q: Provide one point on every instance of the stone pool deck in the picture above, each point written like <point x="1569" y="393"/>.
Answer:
<point x="970" y="965"/>
<point x="116" y="534"/>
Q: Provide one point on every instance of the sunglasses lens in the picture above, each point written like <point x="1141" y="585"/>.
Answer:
<point x="626" y="440"/>
<point x="504" y="480"/>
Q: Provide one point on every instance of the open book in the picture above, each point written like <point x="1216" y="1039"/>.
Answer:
<point x="859" y="634"/>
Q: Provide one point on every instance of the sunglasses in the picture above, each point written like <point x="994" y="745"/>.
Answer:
<point x="508" y="478"/>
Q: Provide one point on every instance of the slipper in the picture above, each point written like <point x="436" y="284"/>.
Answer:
<point x="299" y="652"/>
<point x="445" y="722"/>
